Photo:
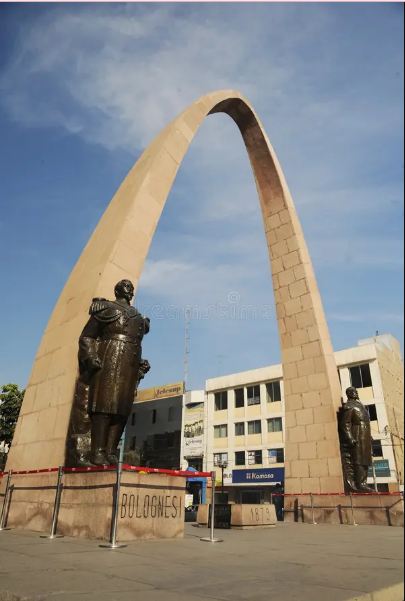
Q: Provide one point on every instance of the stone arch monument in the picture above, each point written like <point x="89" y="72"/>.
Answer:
<point x="118" y="248"/>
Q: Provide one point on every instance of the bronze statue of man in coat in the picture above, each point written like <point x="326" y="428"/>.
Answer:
<point x="110" y="359"/>
<point x="356" y="443"/>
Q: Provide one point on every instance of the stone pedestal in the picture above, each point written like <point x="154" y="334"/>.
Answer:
<point x="373" y="510"/>
<point x="253" y="516"/>
<point x="151" y="506"/>
<point x="244" y="516"/>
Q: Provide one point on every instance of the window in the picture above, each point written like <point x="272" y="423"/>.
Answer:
<point x="253" y="395"/>
<point x="154" y="416"/>
<point x="361" y="376"/>
<point x="273" y="392"/>
<point x="377" y="449"/>
<point x="275" y="424"/>
<point x="239" y="398"/>
<point x="240" y="458"/>
<point x="255" y="427"/>
<point x="133" y="419"/>
<point x="255" y="457"/>
<point x="221" y="401"/>
<point x="159" y="442"/>
<point x="383" y="488"/>
<point x="276" y="456"/>
<point x="221" y="431"/>
<point x="372" y="409"/>
<point x="220" y="458"/>
<point x="240" y="429"/>
<point x="172" y="413"/>
<point x="132" y="445"/>
<point x="251" y="497"/>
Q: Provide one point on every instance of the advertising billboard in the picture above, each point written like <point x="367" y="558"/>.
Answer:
<point x="159" y="392"/>
<point x="194" y="430"/>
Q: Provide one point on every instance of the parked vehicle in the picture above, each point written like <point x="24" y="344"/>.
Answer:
<point x="191" y="513"/>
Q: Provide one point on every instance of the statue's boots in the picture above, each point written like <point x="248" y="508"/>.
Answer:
<point x="115" y="435"/>
<point x="361" y="476"/>
<point x="100" y="427"/>
<point x="366" y="489"/>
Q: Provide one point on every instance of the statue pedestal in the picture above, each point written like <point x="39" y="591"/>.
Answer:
<point x="151" y="506"/>
<point x="244" y="517"/>
<point x="369" y="510"/>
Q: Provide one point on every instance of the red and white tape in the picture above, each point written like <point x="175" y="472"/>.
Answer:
<point x="339" y="494"/>
<point x="178" y="473"/>
<point x="107" y="468"/>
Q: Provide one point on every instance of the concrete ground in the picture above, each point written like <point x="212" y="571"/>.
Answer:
<point x="293" y="562"/>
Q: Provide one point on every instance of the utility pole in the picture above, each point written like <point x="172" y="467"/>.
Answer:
<point x="186" y="352"/>
<point x="223" y="465"/>
<point x="399" y="460"/>
<point x="398" y="434"/>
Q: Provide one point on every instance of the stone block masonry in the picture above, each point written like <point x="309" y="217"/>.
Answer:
<point x="118" y="249"/>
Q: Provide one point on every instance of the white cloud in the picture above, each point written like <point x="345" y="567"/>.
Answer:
<point x="191" y="283"/>
<point x="115" y="75"/>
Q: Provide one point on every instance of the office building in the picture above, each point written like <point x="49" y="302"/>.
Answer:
<point x="245" y="421"/>
<point x="154" y="431"/>
<point x="166" y="428"/>
<point x="166" y="431"/>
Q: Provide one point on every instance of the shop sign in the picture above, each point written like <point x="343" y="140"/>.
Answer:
<point x="260" y="476"/>
<point x="382" y="469"/>
<point x="160" y="392"/>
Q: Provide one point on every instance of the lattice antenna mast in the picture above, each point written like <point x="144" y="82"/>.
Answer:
<point x="186" y="351"/>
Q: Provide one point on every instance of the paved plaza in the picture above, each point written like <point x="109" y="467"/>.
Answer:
<point x="293" y="562"/>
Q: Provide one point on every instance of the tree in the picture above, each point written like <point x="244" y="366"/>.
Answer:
<point x="11" y="399"/>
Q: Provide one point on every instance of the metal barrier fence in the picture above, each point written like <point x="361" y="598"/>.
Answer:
<point x="351" y="496"/>
<point x="119" y="469"/>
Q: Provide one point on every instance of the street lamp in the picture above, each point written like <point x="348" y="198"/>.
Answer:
<point x="223" y="465"/>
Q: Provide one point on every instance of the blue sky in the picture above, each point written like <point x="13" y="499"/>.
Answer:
<point x="84" y="88"/>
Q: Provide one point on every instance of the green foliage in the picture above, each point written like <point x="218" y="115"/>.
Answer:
<point x="3" y="460"/>
<point x="11" y="399"/>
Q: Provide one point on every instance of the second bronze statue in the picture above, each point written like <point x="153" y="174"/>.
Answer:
<point x="356" y="443"/>
<point x="110" y="359"/>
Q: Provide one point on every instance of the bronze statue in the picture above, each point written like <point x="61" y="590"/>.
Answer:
<point x="111" y="368"/>
<point x="356" y="443"/>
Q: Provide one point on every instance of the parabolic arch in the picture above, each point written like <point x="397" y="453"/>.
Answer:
<point x="118" y="249"/>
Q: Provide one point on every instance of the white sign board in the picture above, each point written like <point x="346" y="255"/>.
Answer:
<point x="227" y="478"/>
<point x="194" y="430"/>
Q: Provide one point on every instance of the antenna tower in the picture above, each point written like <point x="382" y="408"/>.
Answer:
<point x="186" y="352"/>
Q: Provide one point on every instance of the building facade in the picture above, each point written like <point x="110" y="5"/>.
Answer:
<point x="166" y="431"/>
<point x="245" y="421"/>
<point x="166" y="428"/>
<point x="154" y="431"/>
